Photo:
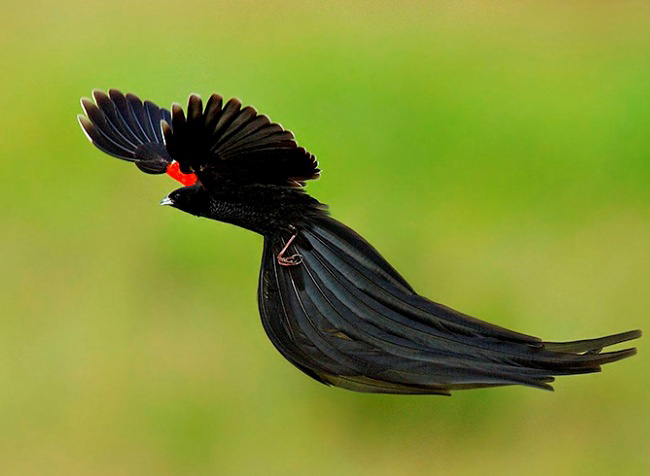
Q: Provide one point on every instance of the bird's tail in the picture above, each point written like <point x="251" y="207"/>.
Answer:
<point x="343" y="315"/>
<point x="595" y="347"/>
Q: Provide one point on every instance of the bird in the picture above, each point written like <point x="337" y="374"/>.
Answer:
<point x="329" y="302"/>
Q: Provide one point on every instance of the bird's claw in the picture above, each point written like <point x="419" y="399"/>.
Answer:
<point x="293" y="260"/>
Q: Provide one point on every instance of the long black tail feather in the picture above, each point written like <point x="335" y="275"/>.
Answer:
<point x="592" y="345"/>
<point x="347" y="318"/>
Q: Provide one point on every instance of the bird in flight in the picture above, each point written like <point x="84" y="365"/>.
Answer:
<point x="329" y="302"/>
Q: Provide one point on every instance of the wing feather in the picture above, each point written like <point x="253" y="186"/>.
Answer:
<point x="127" y="116"/>
<point x="124" y="127"/>
<point x="235" y="143"/>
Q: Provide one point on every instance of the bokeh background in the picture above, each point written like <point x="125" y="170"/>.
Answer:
<point x="497" y="153"/>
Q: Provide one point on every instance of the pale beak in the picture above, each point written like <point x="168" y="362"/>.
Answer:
<point x="166" y="201"/>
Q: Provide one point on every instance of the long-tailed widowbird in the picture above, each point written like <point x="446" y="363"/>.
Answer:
<point x="329" y="302"/>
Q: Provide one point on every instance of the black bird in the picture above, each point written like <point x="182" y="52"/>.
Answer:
<point x="329" y="302"/>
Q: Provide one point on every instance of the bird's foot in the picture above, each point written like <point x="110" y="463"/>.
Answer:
<point x="292" y="260"/>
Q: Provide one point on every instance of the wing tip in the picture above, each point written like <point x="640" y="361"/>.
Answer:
<point x="85" y="124"/>
<point x="114" y="92"/>
<point x="166" y="130"/>
<point x="87" y="104"/>
<point x="135" y="98"/>
<point x="177" y="110"/>
<point x="99" y="95"/>
<point x="194" y="107"/>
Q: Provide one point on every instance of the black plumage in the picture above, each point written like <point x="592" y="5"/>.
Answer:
<point x="329" y="302"/>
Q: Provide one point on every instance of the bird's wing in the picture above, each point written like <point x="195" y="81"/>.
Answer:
<point x="125" y="127"/>
<point x="344" y="316"/>
<point x="225" y="142"/>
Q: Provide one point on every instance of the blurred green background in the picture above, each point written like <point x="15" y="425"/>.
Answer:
<point x="497" y="153"/>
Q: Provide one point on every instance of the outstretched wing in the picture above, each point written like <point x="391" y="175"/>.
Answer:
<point x="125" y="127"/>
<point x="231" y="143"/>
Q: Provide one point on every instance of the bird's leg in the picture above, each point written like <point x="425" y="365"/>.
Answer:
<point x="292" y="260"/>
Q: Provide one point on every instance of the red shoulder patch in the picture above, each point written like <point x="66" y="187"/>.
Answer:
<point x="174" y="171"/>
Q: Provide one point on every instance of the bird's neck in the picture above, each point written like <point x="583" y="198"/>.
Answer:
<point x="266" y="210"/>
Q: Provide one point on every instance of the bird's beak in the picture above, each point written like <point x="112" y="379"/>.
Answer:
<point x="166" y="201"/>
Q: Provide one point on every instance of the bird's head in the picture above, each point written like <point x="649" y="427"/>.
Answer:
<point x="193" y="200"/>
